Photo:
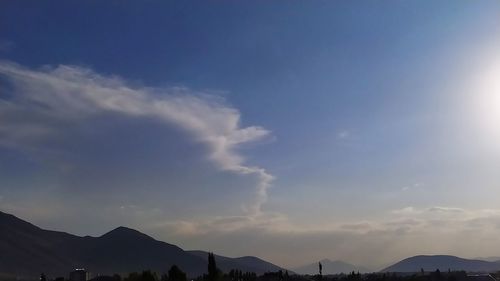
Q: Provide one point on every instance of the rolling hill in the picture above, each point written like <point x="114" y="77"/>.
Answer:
<point x="443" y="263"/>
<point x="248" y="263"/>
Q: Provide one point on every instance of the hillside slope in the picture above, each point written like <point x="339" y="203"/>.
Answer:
<point x="28" y="250"/>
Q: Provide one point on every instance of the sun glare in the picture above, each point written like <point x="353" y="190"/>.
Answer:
<point x="486" y="103"/>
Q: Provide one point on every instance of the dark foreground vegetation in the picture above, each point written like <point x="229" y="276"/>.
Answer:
<point x="236" y="275"/>
<point x="215" y="274"/>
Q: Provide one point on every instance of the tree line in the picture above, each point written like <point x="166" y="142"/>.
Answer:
<point x="215" y="274"/>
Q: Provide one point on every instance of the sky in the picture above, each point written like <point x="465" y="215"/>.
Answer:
<point x="363" y="131"/>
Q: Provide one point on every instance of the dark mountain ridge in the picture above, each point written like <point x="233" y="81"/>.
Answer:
<point x="28" y="250"/>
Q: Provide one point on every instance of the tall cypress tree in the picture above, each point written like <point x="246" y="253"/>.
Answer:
<point x="213" y="272"/>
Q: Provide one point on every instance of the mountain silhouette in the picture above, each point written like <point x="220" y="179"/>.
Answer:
<point x="329" y="267"/>
<point x="27" y="250"/>
<point x="246" y="264"/>
<point x="443" y="263"/>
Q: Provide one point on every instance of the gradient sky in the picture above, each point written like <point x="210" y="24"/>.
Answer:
<point x="366" y="131"/>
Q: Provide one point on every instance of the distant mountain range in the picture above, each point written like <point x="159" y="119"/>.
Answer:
<point x="330" y="267"/>
<point x="27" y="250"/>
<point x="443" y="263"/>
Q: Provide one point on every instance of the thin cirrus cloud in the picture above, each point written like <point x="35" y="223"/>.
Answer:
<point x="373" y="242"/>
<point x="39" y="101"/>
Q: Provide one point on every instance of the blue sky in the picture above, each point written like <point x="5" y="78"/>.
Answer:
<point x="357" y="130"/>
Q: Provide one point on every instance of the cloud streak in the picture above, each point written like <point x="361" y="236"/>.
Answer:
<point x="36" y="103"/>
<point x="374" y="242"/>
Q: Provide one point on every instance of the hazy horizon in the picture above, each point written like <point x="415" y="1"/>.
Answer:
<point x="294" y="131"/>
<point x="311" y="265"/>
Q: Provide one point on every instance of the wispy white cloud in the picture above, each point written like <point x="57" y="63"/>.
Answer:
<point x="449" y="216"/>
<point x="36" y="104"/>
<point x="405" y="210"/>
<point x="269" y="222"/>
<point x="446" y="209"/>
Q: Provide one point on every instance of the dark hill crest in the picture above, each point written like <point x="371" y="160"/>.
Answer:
<point x="123" y="232"/>
<point x="28" y="250"/>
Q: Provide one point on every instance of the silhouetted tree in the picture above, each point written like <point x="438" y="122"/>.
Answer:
<point x="354" y="276"/>
<point x="437" y="274"/>
<point x="147" y="275"/>
<point x="164" y="277"/>
<point x="133" y="276"/>
<point x="237" y="275"/>
<point x="213" y="272"/>
<point x="176" y="274"/>
<point x="43" y="277"/>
